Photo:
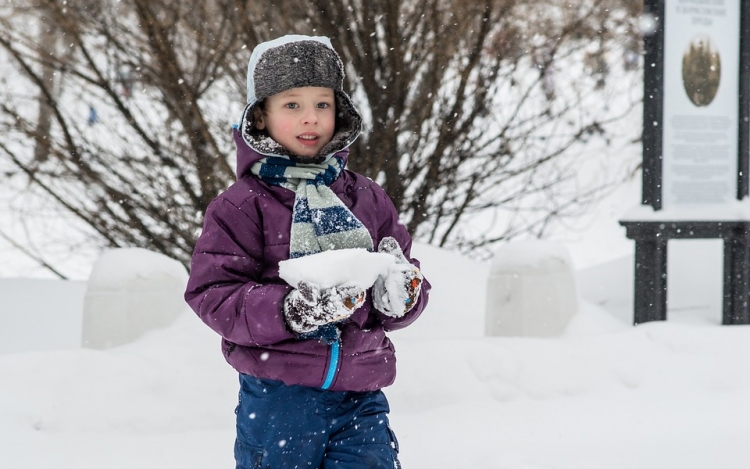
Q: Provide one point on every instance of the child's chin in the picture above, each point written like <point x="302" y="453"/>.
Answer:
<point x="308" y="154"/>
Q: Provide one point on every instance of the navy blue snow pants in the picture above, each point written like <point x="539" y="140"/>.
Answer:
<point x="287" y="427"/>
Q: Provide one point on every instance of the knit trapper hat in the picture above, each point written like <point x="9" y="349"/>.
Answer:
<point x="295" y="61"/>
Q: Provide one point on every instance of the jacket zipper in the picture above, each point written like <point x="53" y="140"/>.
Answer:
<point x="332" y="365"/>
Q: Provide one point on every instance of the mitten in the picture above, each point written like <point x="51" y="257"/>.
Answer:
<point x="308" y="306"/>
<point x="395" y="293"/>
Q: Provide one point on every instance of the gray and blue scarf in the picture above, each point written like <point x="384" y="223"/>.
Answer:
<point x="320" y="220"/>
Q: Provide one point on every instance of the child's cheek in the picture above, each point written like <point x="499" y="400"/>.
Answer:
<point x="287" y="129"/>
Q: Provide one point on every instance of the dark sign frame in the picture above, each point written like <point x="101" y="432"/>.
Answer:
<point x="650" y="236"/>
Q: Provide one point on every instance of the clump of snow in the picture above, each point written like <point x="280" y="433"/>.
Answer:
<point x="131" y="291"/>
<point x="332" y="268"/>
<point x="531" y="290"/>
<point x="116" y="267"/>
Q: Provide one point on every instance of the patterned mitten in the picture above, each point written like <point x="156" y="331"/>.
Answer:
<point x="395" y="293"/>
<point x="308" y="307"/>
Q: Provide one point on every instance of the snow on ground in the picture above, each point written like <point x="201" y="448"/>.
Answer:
<point x="29" y="323"/>
<point x="603" y="395"/>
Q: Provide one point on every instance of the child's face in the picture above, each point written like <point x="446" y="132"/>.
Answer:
<point x="300" y="119"/>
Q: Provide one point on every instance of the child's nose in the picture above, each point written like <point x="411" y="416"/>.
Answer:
<point x="309" y="116"/>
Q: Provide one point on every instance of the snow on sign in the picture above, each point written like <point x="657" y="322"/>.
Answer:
<point x="331" y="268"/>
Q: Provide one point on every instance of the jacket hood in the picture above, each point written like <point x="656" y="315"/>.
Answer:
<point x="247" y="156"/>
<point x="296" y="61"/>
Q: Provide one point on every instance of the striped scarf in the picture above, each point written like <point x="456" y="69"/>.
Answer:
<point x="320" y="220"/>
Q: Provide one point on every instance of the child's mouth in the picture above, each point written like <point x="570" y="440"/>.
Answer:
<point x="308" y="139"/>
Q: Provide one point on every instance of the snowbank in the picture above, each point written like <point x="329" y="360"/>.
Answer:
<point x="604" y="395"/>
<point x="130" y="292"/>
<point x="531" y="290"/>
<point x="40" y="314"/>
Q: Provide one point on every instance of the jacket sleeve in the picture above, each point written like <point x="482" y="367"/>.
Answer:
<point x="225" y="288"/>
<point x="392" y="226"/>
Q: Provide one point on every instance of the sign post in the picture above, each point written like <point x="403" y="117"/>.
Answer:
<point x="696" y="151"/>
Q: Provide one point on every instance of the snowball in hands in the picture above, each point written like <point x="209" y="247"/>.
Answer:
<point x="330" y="285"/>
<point x="396" y="291"/>
<point x="326" y="280"/>
<point x="332" y="268"/>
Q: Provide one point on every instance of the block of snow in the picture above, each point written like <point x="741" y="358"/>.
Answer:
<point x="330" y="268"/>
<point x="531" y="290"/>
<point x="131" y="291"/>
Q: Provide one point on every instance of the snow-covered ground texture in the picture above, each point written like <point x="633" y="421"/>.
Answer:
<point x="605" y="394"/>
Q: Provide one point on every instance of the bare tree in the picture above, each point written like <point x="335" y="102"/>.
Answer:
<point x="474" y="105"/>
<point x="469" y="106"/>
<point x="133" y="151"/>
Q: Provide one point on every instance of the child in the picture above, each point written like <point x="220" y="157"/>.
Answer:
<point x="312" y="361"/>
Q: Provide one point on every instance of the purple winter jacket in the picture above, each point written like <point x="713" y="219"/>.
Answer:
<point x="235" y="288"/>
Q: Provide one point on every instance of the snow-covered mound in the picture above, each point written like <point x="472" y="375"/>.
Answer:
<point x="531" y="290"/>
<point x="131" y="291"/>
<point x="604" y="395"/>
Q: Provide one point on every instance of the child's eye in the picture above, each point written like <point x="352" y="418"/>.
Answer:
<point x="292" y="105"/>
<point x="323" y="105"/>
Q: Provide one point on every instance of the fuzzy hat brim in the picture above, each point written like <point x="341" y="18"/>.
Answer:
<point x="348" y="128"/>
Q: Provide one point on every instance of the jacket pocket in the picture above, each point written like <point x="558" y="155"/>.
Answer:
<point x="247" y="457"/>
